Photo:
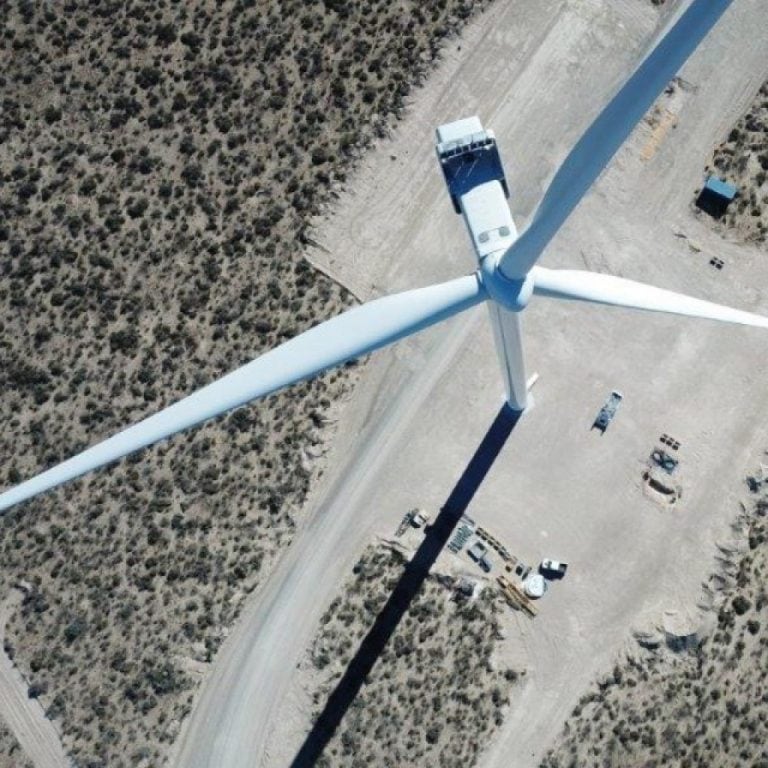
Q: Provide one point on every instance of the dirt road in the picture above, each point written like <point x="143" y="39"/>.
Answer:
<point x="535" y="73"/>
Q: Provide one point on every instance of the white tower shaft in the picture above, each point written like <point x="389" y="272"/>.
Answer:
<point x="507" y="335"/>
<point x="475" y="177"/>
<point x="492" y="230"/>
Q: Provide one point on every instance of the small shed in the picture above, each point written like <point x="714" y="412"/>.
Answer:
<point x="716" y="196"/>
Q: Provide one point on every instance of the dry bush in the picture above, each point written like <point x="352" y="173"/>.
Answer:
<point x="435" y="696"/>
<point x="159" y="164"/>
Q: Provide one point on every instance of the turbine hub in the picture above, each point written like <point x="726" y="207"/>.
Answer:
<point x="513" y="295"/>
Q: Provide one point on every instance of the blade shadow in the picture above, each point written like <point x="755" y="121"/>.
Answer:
<point x="414" y="575"/>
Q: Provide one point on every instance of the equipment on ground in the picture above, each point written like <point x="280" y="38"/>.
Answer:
<point x="404" y="523"/>
<point x="607" y="412"/>
<point x="465" y="588"/>
<point x="506" y="279"/>
<point x="462" y="534"/>
<point x="664" y="461"/>
<point x="494" y="543"/>
<point x="520" y="569"/>
<point x="477" y="551"/>
<point x="460" y="538"/>
<point x="485" y="563"/>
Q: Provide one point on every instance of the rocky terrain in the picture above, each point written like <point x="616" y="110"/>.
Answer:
<point x="159" y="165"/>
<point x="436" y="694"/>
<point x="704" y="706"/>
<point x="742" y="160"/>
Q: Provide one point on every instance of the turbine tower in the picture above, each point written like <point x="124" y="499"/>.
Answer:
<point x="506" y="279"/>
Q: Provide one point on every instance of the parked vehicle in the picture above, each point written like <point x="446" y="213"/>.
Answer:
<point x="553" y="569"/>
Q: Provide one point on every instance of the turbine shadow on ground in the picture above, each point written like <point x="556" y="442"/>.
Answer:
<point x="407" y="588"/>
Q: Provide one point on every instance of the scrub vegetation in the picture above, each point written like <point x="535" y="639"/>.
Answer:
<point x="697" y="708"/>
<point x="436" y="694"/>
<point x="742" y="160"/>
<point x="11" y="755"/>
<point x="159" y="165"/>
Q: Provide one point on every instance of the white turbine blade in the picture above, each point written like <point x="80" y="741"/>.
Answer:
<point x="345" y="337"/>
<point x="618" y="292"/>
<point x="608" y="132"/>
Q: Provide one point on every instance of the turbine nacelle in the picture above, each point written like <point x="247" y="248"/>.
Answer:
<point x="474" y="174"/>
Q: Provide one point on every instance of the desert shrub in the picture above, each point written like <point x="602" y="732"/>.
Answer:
<point x="436" y="669"/>
<point x="741" y="604"/>
<point x="138" y="228"/>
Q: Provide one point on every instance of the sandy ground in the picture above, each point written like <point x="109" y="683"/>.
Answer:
<point x="25" y="717"/>
<point x="536" y="74"/>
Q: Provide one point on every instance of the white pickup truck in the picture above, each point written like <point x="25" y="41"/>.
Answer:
<point x="553" y="568"/>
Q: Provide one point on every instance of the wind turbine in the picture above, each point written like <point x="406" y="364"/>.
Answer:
<point x="506" y="279"/>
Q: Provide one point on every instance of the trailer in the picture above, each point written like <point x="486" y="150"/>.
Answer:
<point x="607" y="412"/>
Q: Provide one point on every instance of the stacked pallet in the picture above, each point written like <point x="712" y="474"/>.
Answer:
<point x="516" y="597"/>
